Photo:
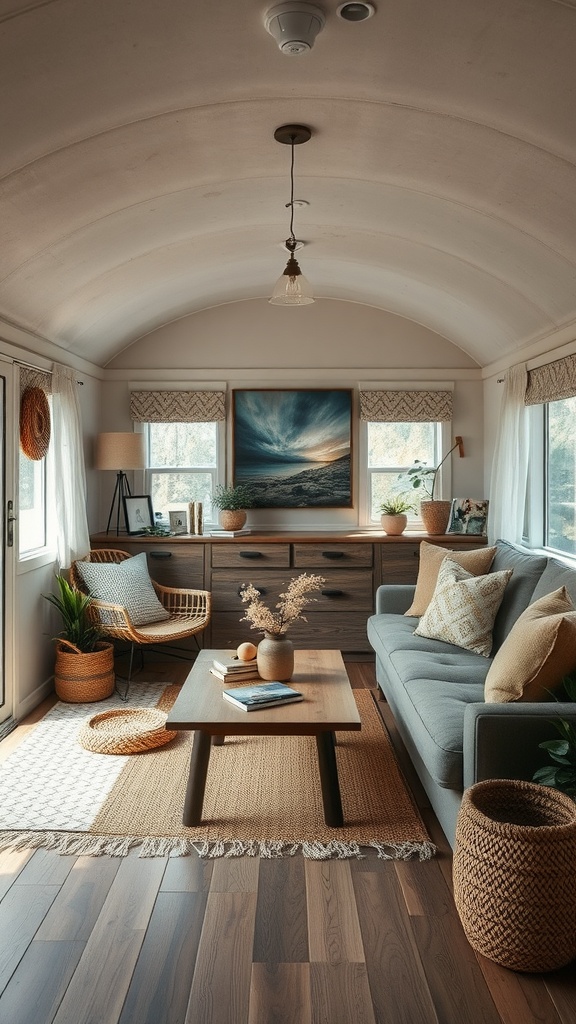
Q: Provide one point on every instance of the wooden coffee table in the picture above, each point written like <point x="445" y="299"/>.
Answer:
<point x="328" y="706"/>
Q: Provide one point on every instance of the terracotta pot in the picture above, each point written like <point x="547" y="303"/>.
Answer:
<point x="435" y="516"/>
<point x="80" y="678"/>
<point x="394" y="525"/>
<point x="275" y="658"/>
<point x="230" y="519"/>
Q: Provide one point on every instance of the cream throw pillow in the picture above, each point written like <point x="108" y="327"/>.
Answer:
<point x="539" y="650"/>
<point x="477" y="562"/>
<point x="463" y="607"/>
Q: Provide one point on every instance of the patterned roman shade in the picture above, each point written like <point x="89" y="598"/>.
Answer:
<point x="177" y="406"/>
<point x="552" y="382"/>
<point x="406" y="406"/>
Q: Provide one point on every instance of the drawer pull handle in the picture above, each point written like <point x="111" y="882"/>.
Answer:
<point x="250" y="554"/>
<point x="332" y="593"/>
<point x="160" y="554"/>
<point x="260" y="590"/>
<point x="332" y="554"/>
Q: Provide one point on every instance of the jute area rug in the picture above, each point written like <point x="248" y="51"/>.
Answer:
<point x="263" y="795"/>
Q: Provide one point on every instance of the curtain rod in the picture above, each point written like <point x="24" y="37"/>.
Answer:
<point x="31" y="366"/>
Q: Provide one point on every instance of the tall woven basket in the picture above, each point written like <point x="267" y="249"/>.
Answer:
<point x="81" y="678"/>
<point x="514" y="872"/>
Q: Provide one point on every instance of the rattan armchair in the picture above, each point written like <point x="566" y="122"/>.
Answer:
<point x="189" y="610"/>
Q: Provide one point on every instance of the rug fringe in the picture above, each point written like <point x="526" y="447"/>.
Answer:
<point x="85" y="845"/>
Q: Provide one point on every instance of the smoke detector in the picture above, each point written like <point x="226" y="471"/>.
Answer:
<point x="355" y="12"/>
<point x="294" y="26"/>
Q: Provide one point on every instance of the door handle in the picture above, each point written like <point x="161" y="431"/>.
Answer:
<point x="250" y="554"/>
<point x="10" y="519"/>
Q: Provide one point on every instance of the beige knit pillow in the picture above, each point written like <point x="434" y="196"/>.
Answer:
<point x="477" y="562"/>
<point x="539" y="650"/>
<point x="463" y="607"/>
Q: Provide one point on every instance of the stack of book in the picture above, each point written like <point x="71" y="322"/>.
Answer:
<point x="232" y="670"/>
<point x="266" y="695"/>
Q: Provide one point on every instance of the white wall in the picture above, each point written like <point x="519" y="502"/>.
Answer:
<point x="329" y="344"/>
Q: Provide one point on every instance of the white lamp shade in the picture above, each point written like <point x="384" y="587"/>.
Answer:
<point x="120" y="451"/>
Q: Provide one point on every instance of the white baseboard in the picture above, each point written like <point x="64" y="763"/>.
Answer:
<point x="24" y="707"/>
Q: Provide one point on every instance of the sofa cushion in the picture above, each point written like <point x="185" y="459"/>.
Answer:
<point x="125" y="583"/>
<point x="477" y="562"/>
<point x="528" y="569"/>
<point x="463" y="607"/>
<point x="556" y="574"/>
<point x="539" y="650"/>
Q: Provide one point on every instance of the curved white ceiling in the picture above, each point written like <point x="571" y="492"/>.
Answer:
<point x="140" y="181"/>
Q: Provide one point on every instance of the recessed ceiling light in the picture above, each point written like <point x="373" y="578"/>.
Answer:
<point x="356" y="11"/>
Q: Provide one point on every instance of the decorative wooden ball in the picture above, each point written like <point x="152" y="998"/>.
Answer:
<point x="246" y="652"/>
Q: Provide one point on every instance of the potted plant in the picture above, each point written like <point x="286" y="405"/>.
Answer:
<point x="232" y="503"/>
<point x="84" y="668"/>
<point x="435" y="512"/>
<point x="393" y="514"/>
<point x="562" y="774"/>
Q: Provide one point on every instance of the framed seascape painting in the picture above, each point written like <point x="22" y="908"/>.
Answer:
<point x="468" y="515"/>
<point x="294" y="447"/>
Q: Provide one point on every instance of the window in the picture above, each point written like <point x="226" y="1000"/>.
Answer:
<point x="560" y="476"/>
<point x="392" y="449"/>
<point x="32" y="525"/>
<point x="183" y="461"/>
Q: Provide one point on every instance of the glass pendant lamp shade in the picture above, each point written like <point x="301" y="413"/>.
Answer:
<point x="292" y="288"/>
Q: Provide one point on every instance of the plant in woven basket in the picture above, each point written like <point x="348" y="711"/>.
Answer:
<point x="233" y="499"/>
<point x="562" y="774"/>
<point x="421" y="475"/>
<point x="78" y="632"/>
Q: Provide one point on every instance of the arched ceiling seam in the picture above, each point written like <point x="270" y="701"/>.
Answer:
<point x="448" y="200"/>
<point x="364" y="101"/>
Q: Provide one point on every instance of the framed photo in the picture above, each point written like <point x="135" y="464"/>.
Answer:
<point x="294" y="447"/>
<point x="138" y="512"/>
<point x="178" y="521"/>
<point x="468" y="515"/>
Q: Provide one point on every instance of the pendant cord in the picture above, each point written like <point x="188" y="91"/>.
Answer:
<point x="291" y="203"/>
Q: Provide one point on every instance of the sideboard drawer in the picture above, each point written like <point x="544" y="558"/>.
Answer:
<point x="325" y="555"/>
<point x="227" y="586"/>
<point x="400" y="562"/>
<point x="250" y="557"/>
<point x="323" y="631"/>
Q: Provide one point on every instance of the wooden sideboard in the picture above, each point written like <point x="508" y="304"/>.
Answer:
<point x="353" y="565"/>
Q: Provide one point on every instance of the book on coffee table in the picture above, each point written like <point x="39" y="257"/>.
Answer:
<point x="264" y="695"/>
<point x="235" y="677"/>
<point x="231" y="664"/>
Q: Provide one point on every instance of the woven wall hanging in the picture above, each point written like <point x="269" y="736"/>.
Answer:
<point x="34" y="423"/>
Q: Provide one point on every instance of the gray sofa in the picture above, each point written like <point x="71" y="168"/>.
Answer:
<point x="436" y="690"/>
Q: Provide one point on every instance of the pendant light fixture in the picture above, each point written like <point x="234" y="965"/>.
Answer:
<point x="292" y="288"/>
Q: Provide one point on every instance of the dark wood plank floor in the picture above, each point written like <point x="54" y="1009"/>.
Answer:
<point x="247" y="941"/>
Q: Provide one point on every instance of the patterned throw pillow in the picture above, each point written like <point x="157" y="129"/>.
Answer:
<point x="539" y="650"/>
<point x="477" y="561"/>
<point x="127" y="583"/>
<point x="463" y="607"/>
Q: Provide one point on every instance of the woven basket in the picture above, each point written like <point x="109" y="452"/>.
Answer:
<point x="435" y="516"/>
<point x="125" y="731"/>
<point x="80" y="678"/>
<point x="514" y="873"/>
<point x="34" y="423"/>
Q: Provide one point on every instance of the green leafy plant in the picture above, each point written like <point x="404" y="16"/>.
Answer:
<point x="562" y="774"/>
<point x="234" y="498"/>
<point x="396" y="506"/>
<point x="421" y="475"/>
<point x="77" y="629"/>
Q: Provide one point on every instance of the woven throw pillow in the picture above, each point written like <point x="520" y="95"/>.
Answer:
<point x="477" y="562"/>
<point x="539" y="650"/>
<point x="463" y="607"/>
<point x="127" y="583"/>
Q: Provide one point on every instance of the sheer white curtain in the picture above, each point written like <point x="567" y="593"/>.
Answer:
<point x="510" y="465"/>
<point x="69" y="470"/>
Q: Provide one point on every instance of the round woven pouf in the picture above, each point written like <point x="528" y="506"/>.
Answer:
<point x="514" y="872"/>
<point x="125" y="731"/>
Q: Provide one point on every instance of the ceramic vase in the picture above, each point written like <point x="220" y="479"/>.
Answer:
<point x="275" y="658"/>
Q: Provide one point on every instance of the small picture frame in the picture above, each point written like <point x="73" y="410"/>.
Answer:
<point x="178" y="521"/>
<point x="138" y="512"/>
<point x="469" y="515"/>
